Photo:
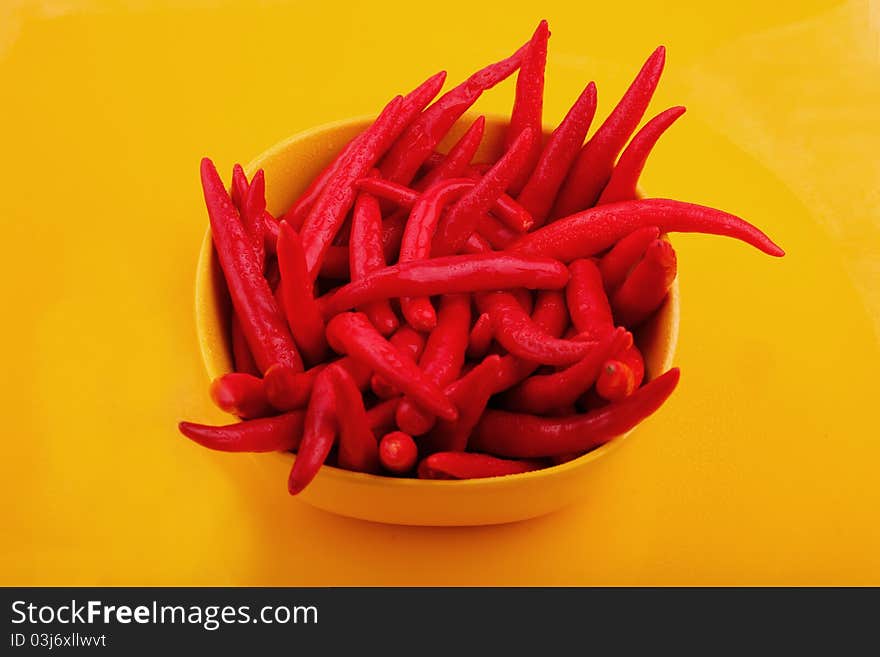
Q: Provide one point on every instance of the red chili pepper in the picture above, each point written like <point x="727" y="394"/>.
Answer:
<point x="422" y="136"/>
<point x="353" y="334"/>
<point x="590" y="232"/>
<point x="241" y="353"/>
<point x="269" y="434"/>
<point x="462" y="218"/>
<point x="551" y="316"/>
<point x="263" y="326"/>
<point x="594" y="164"/>
<point x="497" y="234"/>
<point x="644" y="289"/>
<point x="319" y="433"/>
<point x="623" y="256"/>
<point x="441" y="360"/>
<point x="239" y="187"/>
<point x="545" y="393"/>
<point x="270" y="227"/>
<point x="252" y="213"/>
<point x="454" y="164"/>
<point x="365" y="254"/>
<point x="240" y="394"/>
<point x="448" y="275"/>
<point x="300" y="307"/>
<point x="480" y="338"/>
<point x="411" y="343"/>
<point x="335" y="265"/>
<point x="330" y="209"/>
<point x="413" y="103"/>
<point x="615" y="381"/>
<point x="476" y="244"/>
<point x="632" y="358"/>
<point x="587" y="302"/>
<point x="468" y="465"/>
<point x="398" y="452"/>
<point x="358" y="449"/>
<point x="528" y="106"/>
<point x="521" y="336"/>
<point x="416" y="244"/>
<point x="625" y="176"/>
<point x="380" y="418"/>
<point x="287" y="389"/>
<point x="518" y="435"/>
<point x="470" y="394"/>
<point x="562" y="148"/>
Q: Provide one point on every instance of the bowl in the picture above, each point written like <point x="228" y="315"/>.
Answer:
<point x="289" y="166"/>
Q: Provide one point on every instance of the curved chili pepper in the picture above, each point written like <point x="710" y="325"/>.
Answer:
<point x="252" y="215"/>
<point x="462" y="218"/>
<point x="497" y="234"/>
<point x="287" y="389"/>
<point x="241" y="353"/>
<point x="544" y="393"/>
<point x="416" y="243"/>
<point x="411" y="343"/>
<point x="529" y="102"/>
<point x="441" y="360"/>
<point x="398" y="452"/>
<point x="268" y="434"/>
<point x="518" y="435"/>
<point x="615" y="381"/>
<point x="517" y="332"/>
<point x="562" y="148"/>
<point x="264" y="327"/>
<point x="454" y="163"/>
<point x="623" y="256"/>
<point x="621" y="185"/>
<point x="365" y="255"/>
<point x="422" y="136"/>
<point x="239" y="187"/>
<point x="413" y="102"/>
<point x="587" y="302"/>
<point x="632" y="358"/>
<point x="644" y="289"/>
<point x="353" y="334"/>
<point x="551" y="316"/>
<point x="358" y="449"/>
<point x="300" y="307"/>
<point x="469" y="465"/>
<point x="330" y="209"/>
<point x="320" y="427"/>
<point x="476" y="244"/>
<point x="594" y="164"/>
<point x="480" y="337"/>
<point x="470" y="394"/>
<point x="380" y="418"/>
<point x="240" y="394"/>
<point x="449" y="275"/>
<point x="590" y="232"/>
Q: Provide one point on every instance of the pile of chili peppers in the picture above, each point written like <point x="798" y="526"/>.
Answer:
<point x="415" y="313"/>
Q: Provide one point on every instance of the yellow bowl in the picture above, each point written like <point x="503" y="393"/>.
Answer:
<point x="289" y="166"/>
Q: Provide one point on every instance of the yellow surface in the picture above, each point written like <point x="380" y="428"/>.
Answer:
<point x="289" y="167"/>
<point x="761" y="469"/>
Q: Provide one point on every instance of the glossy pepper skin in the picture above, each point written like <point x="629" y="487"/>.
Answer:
<point x="469" y="465"/>
<point x="358" y="449"/>
<point x="319" y="433"/>
<point x="448" y="275"/>
<point x="588" y="304"/>
<point x="528" y="103"/>
<point x="240" y="394"/>
<point x="593" y="166"/>
<point x="562" y="148"/>
<point x="269" y="434"/>
<point x="615" y="381"/>
<point x="263" y="326"/>
<point x="302" y="312"/>
<point x="241" y="353"/>
<point x="441" y="361"/>
<point x="645" y="287"/>
<point x="544" y="393"/>
<point x="625" y="176"/>
<point x="353" y="334"/>
<point x="455" y="162"/>
<point x="398" y="452"/>
<point x="590" y="232"/>
<point x="411" y="343"/>
<point x="516" y="332"/>
<point x="623" y="256"/>
<point x="480" y="337"/>
<point x="366" y="255"/>
<point x="519" y="435"/>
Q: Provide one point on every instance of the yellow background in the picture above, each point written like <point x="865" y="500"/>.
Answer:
<point x="763" y="467"/>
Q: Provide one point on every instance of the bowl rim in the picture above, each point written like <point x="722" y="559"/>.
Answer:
<point x="363" y="478"/>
